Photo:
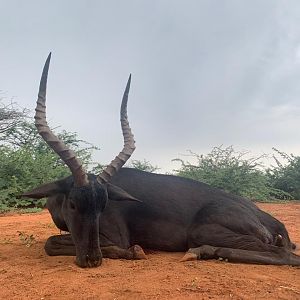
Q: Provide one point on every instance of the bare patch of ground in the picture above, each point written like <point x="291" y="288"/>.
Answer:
<point x="26" y="272"/>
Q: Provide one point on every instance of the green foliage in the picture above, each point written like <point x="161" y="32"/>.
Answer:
<point x="10" y="115"/>
<point x="231" y="171"/>
<point x="98" y="168"/>
<point x="286" y="176"/>
<point x="143" y="165"/>
<point x="26" y="161"/>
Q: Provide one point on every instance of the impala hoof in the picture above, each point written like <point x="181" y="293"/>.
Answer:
<point x="189" y="256"/>
<point x="138" y="252"/>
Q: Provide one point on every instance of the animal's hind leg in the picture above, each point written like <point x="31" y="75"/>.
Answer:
<point x="215" y="241"/>
<point x="243" y="256"/>
<point x="60" y="245"/>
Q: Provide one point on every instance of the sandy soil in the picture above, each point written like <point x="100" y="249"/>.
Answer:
<point x="26" y="272"/>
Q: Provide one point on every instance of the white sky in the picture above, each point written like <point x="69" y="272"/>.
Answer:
<point x="205" y="73"/>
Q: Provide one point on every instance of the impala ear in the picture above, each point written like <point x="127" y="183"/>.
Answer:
<point x="48" y="189"/>
<point x="118" y="194"/>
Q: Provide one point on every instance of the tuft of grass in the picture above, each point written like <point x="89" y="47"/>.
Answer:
<point x="26" y="239"/>
<point x="6" y="241"/>
<point x="30" y="210"/>
<point x="277" y="201"/>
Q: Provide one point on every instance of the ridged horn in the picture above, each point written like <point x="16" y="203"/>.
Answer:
<point x="129" y="144"/>
<point x="67" y="155"/>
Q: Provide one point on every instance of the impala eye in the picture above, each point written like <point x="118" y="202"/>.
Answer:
<point x="72" y="205"/>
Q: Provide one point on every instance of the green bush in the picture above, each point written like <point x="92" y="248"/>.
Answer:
<point x="143" y="165"/>
<point x="231" y="171"/>
<point x="27" y="161"/>
<point x="286" y="176"/>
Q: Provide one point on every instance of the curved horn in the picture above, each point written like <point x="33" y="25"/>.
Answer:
<point x="66" y="154"/>
<point x="129" y="145"/>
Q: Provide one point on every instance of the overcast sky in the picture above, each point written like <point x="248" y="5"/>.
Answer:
<point x="204" y="73"/>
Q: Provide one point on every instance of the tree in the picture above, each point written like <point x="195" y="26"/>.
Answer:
<point x="10" y="116"/>
<point x="26" y="161"/>
<point x="286" y="176"/>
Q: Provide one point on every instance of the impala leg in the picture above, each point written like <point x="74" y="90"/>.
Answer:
<point x="243" y="256"/>
<point x="63" y="245"/>
<point x="134" y="252"/>
<point x="216" y="241"/>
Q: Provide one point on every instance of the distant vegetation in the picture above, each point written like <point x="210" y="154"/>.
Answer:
<point x="143" y="165"/>
<point x="286" y="176"/>
<point x="26" y="161"/>
<point x="236" y="173"/>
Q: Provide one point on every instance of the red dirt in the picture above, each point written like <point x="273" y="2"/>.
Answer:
<point x="28" y="273"/>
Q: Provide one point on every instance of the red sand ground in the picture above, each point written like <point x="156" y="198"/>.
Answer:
<point x="28" y="273"/>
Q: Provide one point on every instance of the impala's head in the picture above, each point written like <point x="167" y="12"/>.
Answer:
<point x="82" y="197"/>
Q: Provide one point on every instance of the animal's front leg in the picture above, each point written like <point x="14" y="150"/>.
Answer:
<point x="63" y="245"/>
<point x="134" y="252"/>
<point x="60" y="245"/>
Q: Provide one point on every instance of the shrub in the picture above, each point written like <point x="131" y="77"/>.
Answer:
<point x="143" y="165"/>
<point x="286" y="176"/>
<point x="231" y="171"/>
<point x="26" y="161"/>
